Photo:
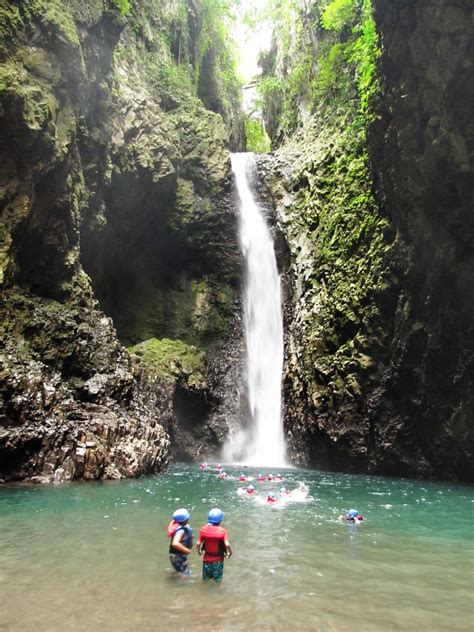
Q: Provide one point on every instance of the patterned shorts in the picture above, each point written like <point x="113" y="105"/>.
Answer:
<point x="179" y="562"/>
<point x="213" y="570"/>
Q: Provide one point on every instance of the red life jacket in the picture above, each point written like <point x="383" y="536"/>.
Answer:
<point x="171" y="529"/>
<point x="212" y="537"/>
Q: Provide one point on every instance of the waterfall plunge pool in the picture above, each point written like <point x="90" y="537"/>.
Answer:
<point x="93" y="556"/>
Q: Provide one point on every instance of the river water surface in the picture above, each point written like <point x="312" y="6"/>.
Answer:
<point x="93" y="556"/>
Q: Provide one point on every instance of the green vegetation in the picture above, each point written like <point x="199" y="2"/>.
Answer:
<point x="256" y="137"/>
<point x="338" y="72"/>
<point x="338" y="14"/>
<point x="191" y="54"/>
<point x="216" y="68"/>
<point x="124" y="6"/>
<point x="167" y="358"/>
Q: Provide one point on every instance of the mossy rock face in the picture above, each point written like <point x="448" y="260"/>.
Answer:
<point x="339" y="266"/>
<point x="90" y="158"/>
<point x="367" y="197"/>
<point x="172" y="359"/>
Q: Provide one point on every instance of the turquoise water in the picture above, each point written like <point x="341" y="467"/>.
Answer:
<point x="93" y="556"/>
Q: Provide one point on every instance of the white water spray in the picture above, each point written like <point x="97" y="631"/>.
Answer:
<point x="263" y="442"/>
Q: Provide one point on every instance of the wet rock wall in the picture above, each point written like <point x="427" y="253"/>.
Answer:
<point x="107" y="218"/>
<point x="378" y="222"/>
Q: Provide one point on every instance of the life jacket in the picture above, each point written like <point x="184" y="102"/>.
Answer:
<point x="212" y="538"/>
<point x="187" y="538"/>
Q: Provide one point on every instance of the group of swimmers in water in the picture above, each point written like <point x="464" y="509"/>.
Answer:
<point x="250" y="489"/>
<point x="213" y="541"/>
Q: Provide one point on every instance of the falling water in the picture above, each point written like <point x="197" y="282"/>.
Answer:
<point x="262" y="443"/>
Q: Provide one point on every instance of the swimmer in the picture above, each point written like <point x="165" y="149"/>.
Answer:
<point x="222" y="475"/>
<point x="271" y="498"/>
<point x="250" y="489"/>
<point x="284" y="491"/>
<point x="354" y="517"/>
<point x="219" y="467"/>
<point x="270" y="477"/>
<point x="279" y="478"/>
<point x="242" y="477"/>
<point x="204" y="466"/>
<point x="260" y="477"/>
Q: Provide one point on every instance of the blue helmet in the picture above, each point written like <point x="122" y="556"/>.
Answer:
<point x="283" y="490"/>
<point x="215" y="516"/>
<point x="181" y="515"/>
<point x="352" y="513"/>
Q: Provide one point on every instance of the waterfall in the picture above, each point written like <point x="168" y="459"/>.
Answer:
<point x="262" y="442"/>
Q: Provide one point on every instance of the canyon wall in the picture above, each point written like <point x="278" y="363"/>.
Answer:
<point x="367" y="107"/>
<point x="117" y="229"/>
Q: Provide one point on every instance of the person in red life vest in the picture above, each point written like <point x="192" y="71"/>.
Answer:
<point x="279" y="478"/>
<point x="242" y="477"/>
<point x="250" y="489"/>
<point x="270" y="477"/>
<point x="181" y="543"/>
<point x="222" y="475"/>
<point x="271" y="498"/>
<point x="213" y="541"/>
<point x="260" y="477"/>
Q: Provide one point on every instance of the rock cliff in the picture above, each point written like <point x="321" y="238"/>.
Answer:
<point x="116" y="229"/>
<point x="372" y="182"/>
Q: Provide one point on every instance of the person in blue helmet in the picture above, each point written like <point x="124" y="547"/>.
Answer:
<point x="181" y="534"/>
<point x="354" y="516"/>
<point x="214" y="542"/>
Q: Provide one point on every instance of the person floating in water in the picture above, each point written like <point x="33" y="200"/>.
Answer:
<point x="279" y="478"/>
<point x="204" y="466"/>
<point x="271" y="498"/>
<point x="242" y="477"/>
<point x="250" y="489"/>
<point x="214" y="542"/>
<point x="284" y="491"/>
<point x="353" y="516"/>
<point x="222" y="474"/>
<point x="270" y="477"/>
<point x="181" y="543"/>
<point x="260" y="477"/>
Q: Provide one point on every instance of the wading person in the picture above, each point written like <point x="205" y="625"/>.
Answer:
<point x="213" y="541"/>
<point x="181" y="543"/>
